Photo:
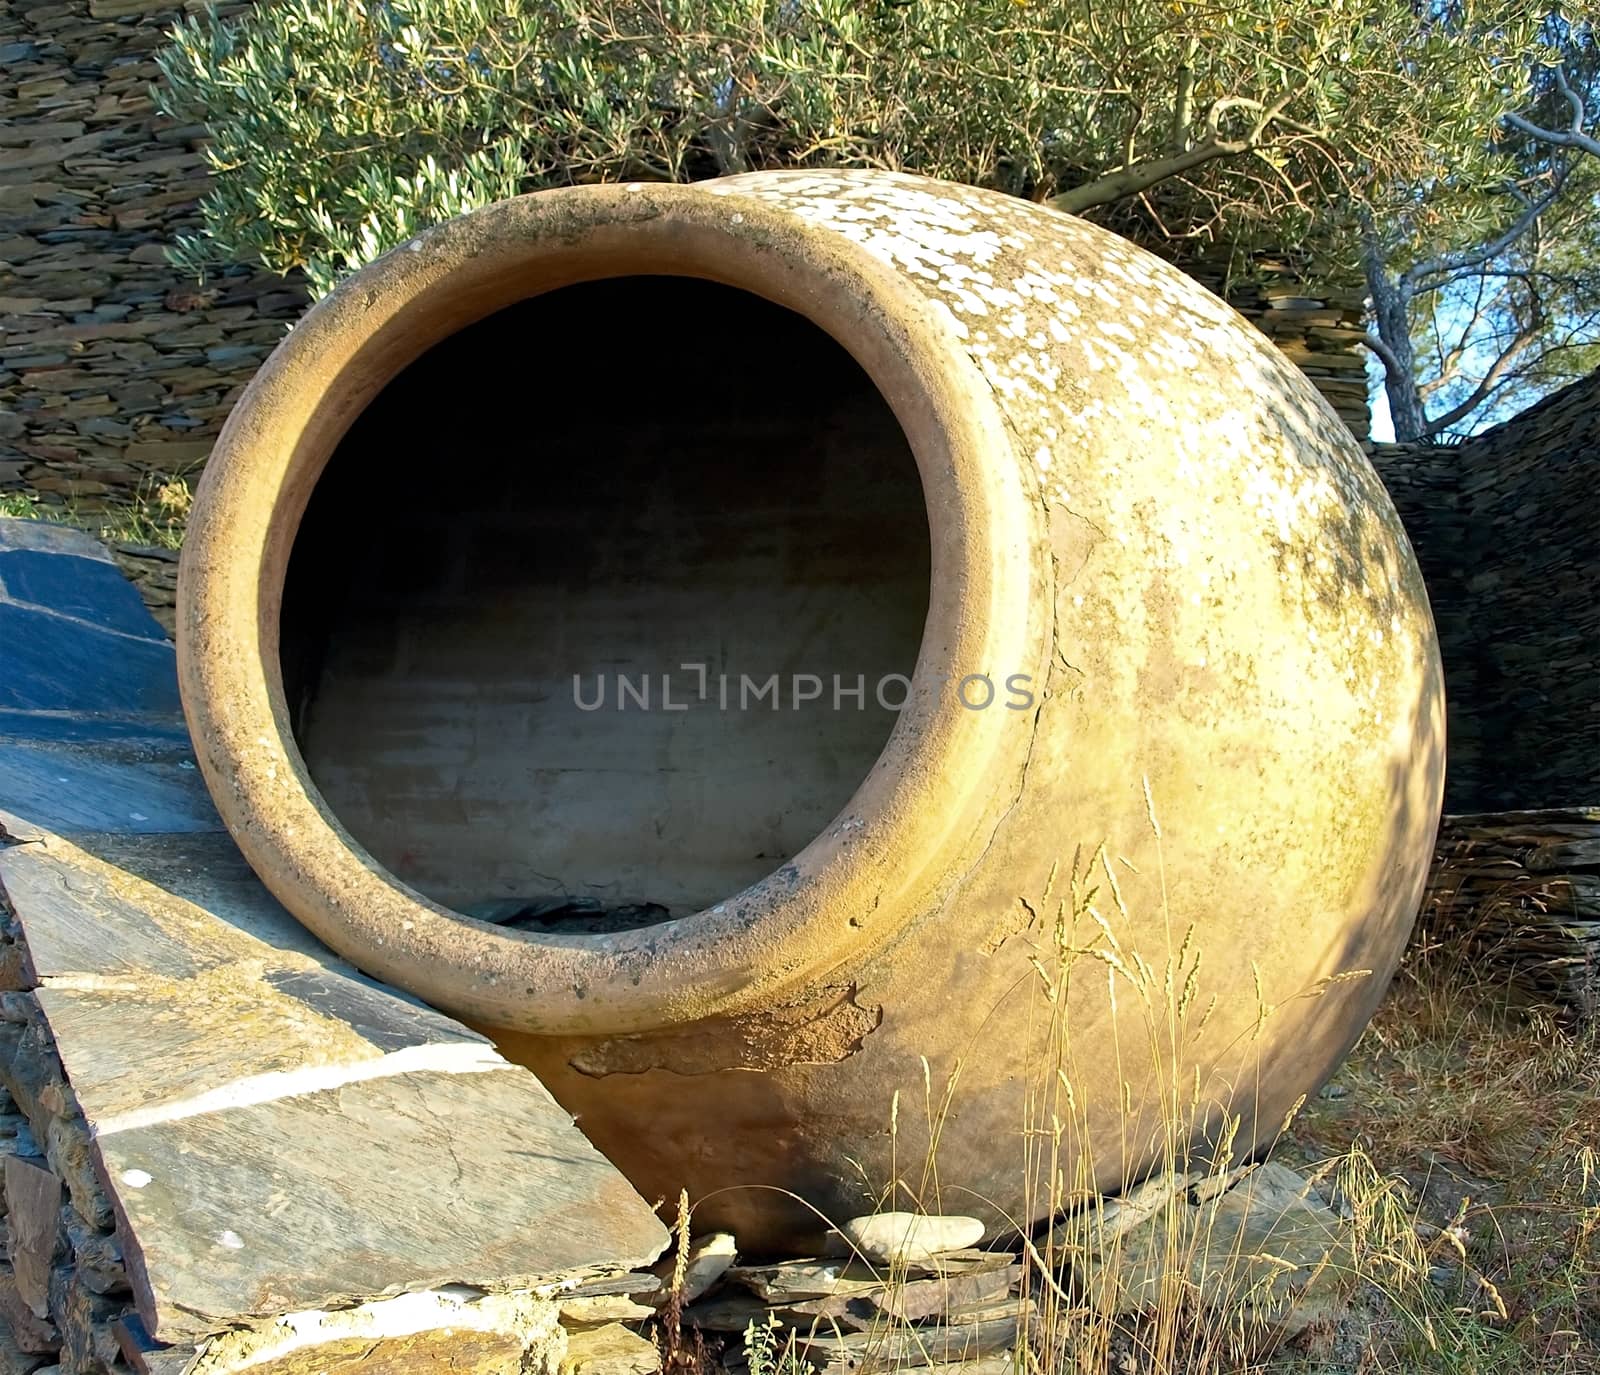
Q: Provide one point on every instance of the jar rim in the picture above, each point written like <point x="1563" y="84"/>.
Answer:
<point x="897" y="843"/>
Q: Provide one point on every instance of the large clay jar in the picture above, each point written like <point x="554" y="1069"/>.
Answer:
<point x="906" y="626"/>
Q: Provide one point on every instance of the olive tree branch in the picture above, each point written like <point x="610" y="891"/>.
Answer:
<point x="1135" y="177"/>
<point x="1574" y="135"/>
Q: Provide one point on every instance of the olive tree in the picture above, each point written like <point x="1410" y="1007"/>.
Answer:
<point x="340" y="127"/>
<point x="1485" y="277"/>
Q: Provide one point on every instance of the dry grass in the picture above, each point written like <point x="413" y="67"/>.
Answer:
<point x="1459" y="1141"/>
<point x="155" y="516"/>
<point x="1489" y="1115"/>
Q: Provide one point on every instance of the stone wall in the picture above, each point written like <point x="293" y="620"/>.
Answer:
<point x="1505" y="531"/>
<point x="63" y="1284"/>
<point x="116" y="370"/>
<point x="1518" y="894"/>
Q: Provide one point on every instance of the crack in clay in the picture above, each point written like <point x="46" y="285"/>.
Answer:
<point x="1015" y="926"/>
<point x="827" y="1027"/>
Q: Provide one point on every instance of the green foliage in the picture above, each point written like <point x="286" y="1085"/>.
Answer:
<point x="339" y="128"/>
<point x="769" y="1351"/>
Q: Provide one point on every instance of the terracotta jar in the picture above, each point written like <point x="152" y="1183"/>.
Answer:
<point x="803" y="658"/>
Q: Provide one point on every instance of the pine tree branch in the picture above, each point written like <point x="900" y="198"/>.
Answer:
<point x="1487" y="386"/>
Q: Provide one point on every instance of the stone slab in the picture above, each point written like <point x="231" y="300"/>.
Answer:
<point x="78" y="587"/>
<point x="33" y="1200"/>
<point x="145" y="1354"/>
<point x="275" y="1131"/>
<point x="53" y="662"/>
<point x="91" y="729"/>
<point x="129" y="782"/>
<point x="609" y="1350"/>
<point x="30" y="1333"/>
<point x="41" y="536"/>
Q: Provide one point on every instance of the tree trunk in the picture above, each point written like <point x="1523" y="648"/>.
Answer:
<point x="1392" y="317"/>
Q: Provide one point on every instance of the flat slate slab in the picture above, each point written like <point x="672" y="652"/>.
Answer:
<point x="77" y="634"/>
<point x="275" y="1131"/>
<point x="91" y="729"/>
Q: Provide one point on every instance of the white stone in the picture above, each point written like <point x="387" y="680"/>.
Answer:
<point x="710" y="1258"/>
<point x="891" y="1237"/>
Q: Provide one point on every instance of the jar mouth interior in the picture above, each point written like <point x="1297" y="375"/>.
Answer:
<point x="603" y="607"/>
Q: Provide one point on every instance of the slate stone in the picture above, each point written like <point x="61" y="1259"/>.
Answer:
<point x="610" y="1350"/>
<point x="368" y="1008"/>
<point x="177" y="904"/>
<point x="728" y="1312"/>
<point x="1267" y="1244"/>
<point x="55" y="664"/>
<point x="89" y="708"/>
<point x="914" y="1300"/>
<point x="63" y="728"/>
<point x="68" y="936"/>
<point x="83" y="589"/>
<point x="604" y="1308"/>
<point x="949" y="1344"/>
<point x="33" y="1200"/>
<point x="202" y="1042"/>
<point x="32" y="1334"/>
<point x="278" y="1134"/>
<point x="44" y="536"/>
<point x="14" y="1360"/>
<point x="133" y="784"/>
<point x="144" y="1353"/>
<point x="85" y="1320"/>
<point x="275" y="1131"/>
<point x="96" y="1257"/>
<point x="425" y="1179"/>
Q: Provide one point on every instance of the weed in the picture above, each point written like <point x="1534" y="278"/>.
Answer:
<point x="1498" y="1273"/>
<point x="155" y="517"/>
<point x="769" y="1350"/>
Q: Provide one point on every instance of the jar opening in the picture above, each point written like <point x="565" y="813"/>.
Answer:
<point x="603" y="608"/>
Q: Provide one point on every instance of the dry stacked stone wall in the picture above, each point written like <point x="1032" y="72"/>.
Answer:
<point x="1316" y="319"/>
<point x="117" y="370"/>
<point x="63" y="1284"/>
<point x="1505" y="530"/>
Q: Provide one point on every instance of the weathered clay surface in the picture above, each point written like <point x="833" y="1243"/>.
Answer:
<point x="1236" y="737"/>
